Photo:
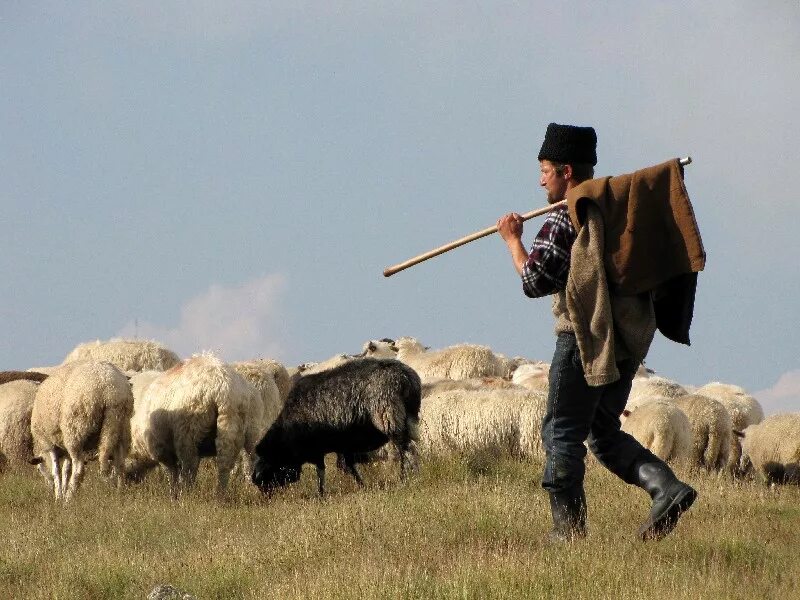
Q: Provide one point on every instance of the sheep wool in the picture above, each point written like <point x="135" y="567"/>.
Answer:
<point x="533" y="376"/>
<point x="712" y="431"/>
<point x="16" y="405"/>
<point x="743" y="408"/>
<point x="645" y="389"/>
<point x="261" y="377"/>
<point x="8" y="376"/>
<point x="744" y="411"/>
<point x="463" y="361"/>
<point x="352" y="409"/>
<point x="501" y="421"/>
<point x="201" y="407"/>
<point x="771" y="448"/>
<point x="279" y="373"/>
<point x="661" y="427"/>
<point x="81" y="410"/>
<point x="127" y="355"/>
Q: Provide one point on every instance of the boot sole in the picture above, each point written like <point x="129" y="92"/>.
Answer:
<point x="659" y="527"/>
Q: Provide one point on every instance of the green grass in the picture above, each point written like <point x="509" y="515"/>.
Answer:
<point x="472" y="528"/>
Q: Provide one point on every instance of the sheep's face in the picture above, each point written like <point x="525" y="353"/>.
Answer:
<point x="383" y="348"/>
<point x="269" y="477"/>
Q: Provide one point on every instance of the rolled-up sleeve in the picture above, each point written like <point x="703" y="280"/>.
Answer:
<point x="546" y="269"/>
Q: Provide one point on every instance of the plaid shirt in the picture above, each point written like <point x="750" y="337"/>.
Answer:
<point x="546" y="270"/>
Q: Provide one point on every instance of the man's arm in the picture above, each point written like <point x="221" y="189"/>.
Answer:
<point x="544" y="270"/>
<point x="510" y="229"/>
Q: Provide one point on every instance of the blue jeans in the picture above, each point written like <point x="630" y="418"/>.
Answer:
<point x="578" y="413"/>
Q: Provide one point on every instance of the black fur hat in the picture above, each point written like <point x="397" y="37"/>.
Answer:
<point x="569" y="144"/>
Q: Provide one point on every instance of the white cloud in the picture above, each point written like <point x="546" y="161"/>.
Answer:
<point x="784" y="396"/>
<point x="236" y="322"/>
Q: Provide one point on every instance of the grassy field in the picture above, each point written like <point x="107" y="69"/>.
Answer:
<point x="472" y="528"/>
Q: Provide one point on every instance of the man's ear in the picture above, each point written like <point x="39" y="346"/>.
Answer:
<point x="567" y="172"/>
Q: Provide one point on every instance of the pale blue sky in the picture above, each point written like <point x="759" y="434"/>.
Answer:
<point x="236" y="175"/>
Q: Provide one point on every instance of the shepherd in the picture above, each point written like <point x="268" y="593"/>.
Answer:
<point x="620" y="259"/>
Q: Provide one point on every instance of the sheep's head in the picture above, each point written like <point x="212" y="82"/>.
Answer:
<point x="383" y="348"/>
<point x="268" y="477"/>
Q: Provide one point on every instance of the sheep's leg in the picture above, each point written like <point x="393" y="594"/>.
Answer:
<point x="350" y="467"/>
<point x="56" y="472"/>
<point x="75" y="479"/>
<point x="119" y="467"/>
<point x="407" y="458"/>
<point x="44" y="473"/>
<point x="189" y="462"/>
<point x="321" y="477"/>
<point x="173" y="475"/>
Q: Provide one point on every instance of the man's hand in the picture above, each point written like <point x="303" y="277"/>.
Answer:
<point x="510" y="227"/>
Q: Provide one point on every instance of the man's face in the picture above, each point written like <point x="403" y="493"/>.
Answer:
<point x="555" y="184"/>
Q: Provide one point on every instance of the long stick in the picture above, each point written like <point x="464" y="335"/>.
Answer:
<point x="389" y="271"/>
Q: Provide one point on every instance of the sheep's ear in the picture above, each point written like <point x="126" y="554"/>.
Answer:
<point x="737" y="433"/>
<point x="36" y="460"/>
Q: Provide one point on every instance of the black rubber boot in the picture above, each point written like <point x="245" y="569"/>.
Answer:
<point x="671" y="497"/>
<point x="569" y="515"/>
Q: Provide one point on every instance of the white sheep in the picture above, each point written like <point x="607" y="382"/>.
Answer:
<point x="260" y="376"/>
<point x="327" y="364"/>
<point x="712" y="430"/>
<point x="503" y="421"/>
<point x="201" y="407"/>
<point x="462" y="361"/>
<point x="771" y="448"/>
<point x="647" y="388"/>
<point x="82" y="411"/>
<point x="661" y="427"/>
<point x="435" y="386"/>
<point x="279" y="373"/>
<point x="16" y="405"/>
<point x="127" y="355"/>
<point x="744" y="409"/>
<point x="533" y="376"/>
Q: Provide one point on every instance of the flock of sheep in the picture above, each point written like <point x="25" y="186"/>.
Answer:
<point x="133" y="405"/>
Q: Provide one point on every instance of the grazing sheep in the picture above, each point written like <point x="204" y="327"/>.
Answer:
<point x="279" y="373"/>
<point x="201" y="407"/>
<point x="712" y="430"/>
<point x="351" y="409"/>
<point x="645" y="389"/>
<point x="661" y="427"/>
<point x="310" y="368"/>
<point x="80" y="412"/>
<point x="533" y="376"/>
<point x="435" y="386"/>
<point x="771" y="448"/>
<point x="382" y="348"/>
<point x="8" y="376"/>
<point x="127" y="355"/>
<point x="261" y="377"/>
<point x="16" y="405"/>
<point x="509" y="366"/>
<point x="463" y="361"/>
<point x="502" y="421"/>
<point x="744" y="410"/>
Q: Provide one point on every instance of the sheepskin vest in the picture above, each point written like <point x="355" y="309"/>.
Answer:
<point x="608" y="327"/>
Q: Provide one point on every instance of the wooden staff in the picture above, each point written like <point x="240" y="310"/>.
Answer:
<point x="389" y="271"/>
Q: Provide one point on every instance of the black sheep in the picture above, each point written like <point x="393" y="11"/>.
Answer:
<point x="351" y="409"/>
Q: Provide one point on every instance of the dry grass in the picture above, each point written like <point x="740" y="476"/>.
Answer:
<point x="471" y="528"/>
